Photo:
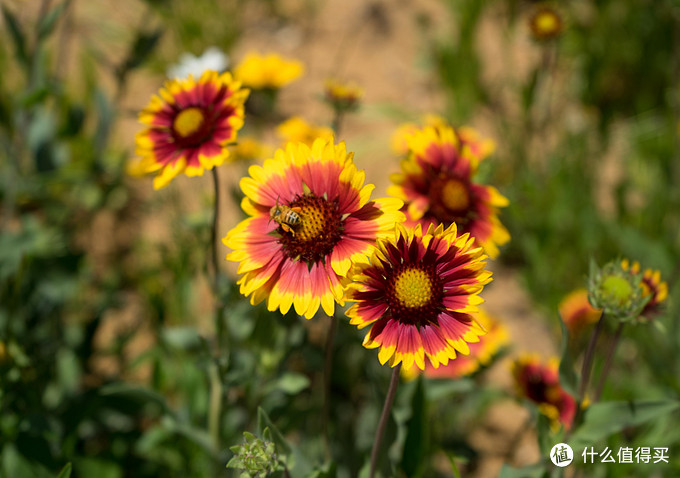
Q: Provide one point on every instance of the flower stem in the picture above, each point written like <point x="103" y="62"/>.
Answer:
<point x="608" y="364"/>
<point x="382" y="424"/>
<point x="588" y="359"/>
<point x="327" y="371"/>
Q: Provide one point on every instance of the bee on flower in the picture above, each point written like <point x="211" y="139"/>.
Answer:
<point x="310" y="220"/>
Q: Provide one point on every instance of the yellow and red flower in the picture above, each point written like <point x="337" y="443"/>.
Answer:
<point x="267" y="71"/>
<point x="437" y="188"/>
<point x="332" y="224"/>
<point x="652" y="287"/>
<point x="576" y="311"/>
<point x="189" y="125"/>
<point x="540" y="383"/>
<point x="482" y="353"/>
<point x="418" y="292"/>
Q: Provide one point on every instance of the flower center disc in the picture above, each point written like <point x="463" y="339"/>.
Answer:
<point x="546" y="23"/>
<point x="319" y="230"/>
<point x="191" y="127"/>
<point x="455" y="195"/>
<point x="413" y="288"/>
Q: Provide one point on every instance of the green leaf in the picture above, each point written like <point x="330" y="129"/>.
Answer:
<point x="17" y="34"/>
<point x="47" y="23"/>
<point x="415" y="445"/>
<point x="604" y="419"/>
<point x="568" y="378"/>
<point x="66" y="471"/>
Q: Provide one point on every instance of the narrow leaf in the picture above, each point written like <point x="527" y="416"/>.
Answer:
<point x="47" y="23"/>
<point x="17" y="34"/>
<point x="65" y="472"/>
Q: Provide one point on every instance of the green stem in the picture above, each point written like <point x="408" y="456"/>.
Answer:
<point x="608" y="364"/>
<point x="382" y="424"/>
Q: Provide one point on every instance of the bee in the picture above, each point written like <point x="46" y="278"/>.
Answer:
<point x="289" y="218"/>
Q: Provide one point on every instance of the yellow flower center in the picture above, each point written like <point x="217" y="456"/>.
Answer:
<point x="455" y="195"/>
<point x="312" y="224"/>
<point x="547" y="22"/>
<point x="188" y="121"/>
<point x="413" y="288"/>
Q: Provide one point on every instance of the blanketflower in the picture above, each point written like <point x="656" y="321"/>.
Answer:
<point x="418" y="293"/>
<point x="310" y="220"/>
<point x="576" y="311"/>
<point x="652" y="287"/>
<point x="436" y="185"/>
<point x="267" y="71"/>
<point x="540" y="383"/>
<point x="482" y="353"/>
<point x="296" y="129"/>
<point x="189" y="125"/>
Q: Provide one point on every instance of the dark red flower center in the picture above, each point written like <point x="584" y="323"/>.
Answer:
<point x="313" y="229"/>
<point x="450" y="200"/>
<point x="192" y="126"/>
<point x="414" y="292"/>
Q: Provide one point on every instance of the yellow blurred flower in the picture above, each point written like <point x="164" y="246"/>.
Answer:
<point x="545" y="23"/>
<point x="342" y="96"/>
<point x="267" y="71"/>
<point x="297" y="129"/>
<point x="576" y="311"/>
<point x="249" y="149"/>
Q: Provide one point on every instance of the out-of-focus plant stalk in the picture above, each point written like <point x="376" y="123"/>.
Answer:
<point x="588" y="359"/>
<point x="382" y="424"/>
<point x="610" y="359"/>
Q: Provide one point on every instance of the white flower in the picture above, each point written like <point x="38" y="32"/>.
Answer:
<point x="211" y="59"/>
